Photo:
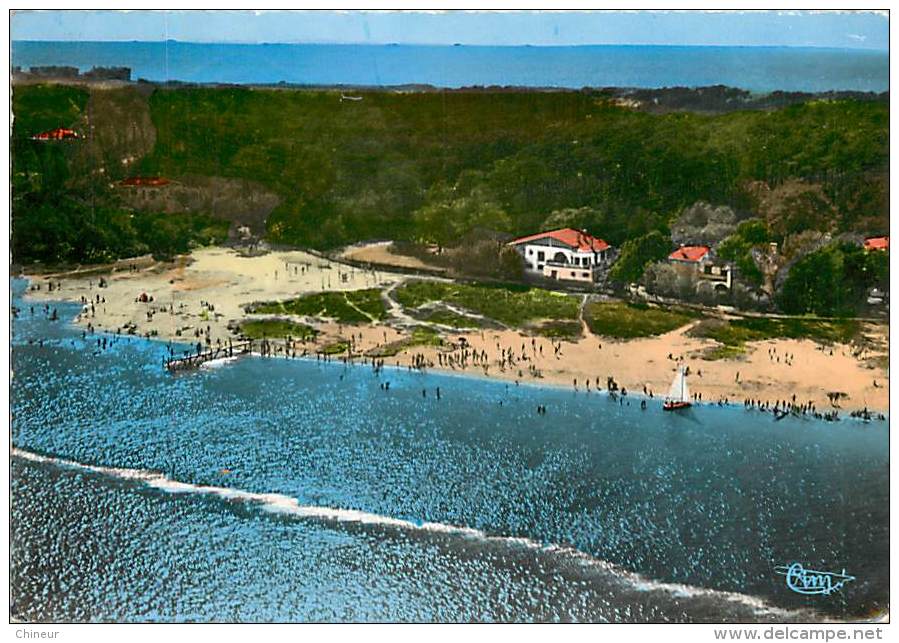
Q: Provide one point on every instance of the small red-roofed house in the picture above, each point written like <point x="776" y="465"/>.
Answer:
<point x="877" y="243"/>
<point x="697" y="262"/>
<point x="690" y="254"/>
<point x="58" y="134"/>
<point x="145" y="181"/>
<point x="564" y="254"/>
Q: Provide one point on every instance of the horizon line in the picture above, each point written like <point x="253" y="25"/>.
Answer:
<point x="450" y="45"/>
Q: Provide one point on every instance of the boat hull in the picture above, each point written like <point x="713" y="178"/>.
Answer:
<point x="675" y="406"/>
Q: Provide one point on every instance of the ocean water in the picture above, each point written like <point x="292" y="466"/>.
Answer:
<point x="759" y="69"/>
<point x="292" y="490"/>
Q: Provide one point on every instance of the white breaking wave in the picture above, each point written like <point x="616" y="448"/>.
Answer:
<point x="287" y="505"/>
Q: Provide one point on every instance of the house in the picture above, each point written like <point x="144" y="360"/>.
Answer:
<point x="145" y="181"/>
<point x="58" y="134"/>
<point x="565" y="254"/>
<point x="877" y="243"/>
<point x="698" y="263"/>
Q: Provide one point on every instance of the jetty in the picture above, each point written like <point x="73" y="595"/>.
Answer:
<point x="196" y="360"/>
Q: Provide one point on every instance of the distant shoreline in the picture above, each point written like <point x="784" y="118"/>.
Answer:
<point x="629" y="45"/>
<point x="707" y="99"/>
<point x="410" y="67"/>
<point x="22" y="78"/>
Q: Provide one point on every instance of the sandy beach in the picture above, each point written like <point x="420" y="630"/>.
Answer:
<point x="209" y="290"/>
<point x="379" y="253"/>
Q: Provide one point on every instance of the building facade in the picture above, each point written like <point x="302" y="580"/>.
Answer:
<point x="698" y="263"/>
<point x="565" y="255"/>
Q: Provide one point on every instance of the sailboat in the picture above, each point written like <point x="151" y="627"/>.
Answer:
<point x="678" y="394"/>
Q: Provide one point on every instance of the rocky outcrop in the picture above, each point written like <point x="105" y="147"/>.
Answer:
<point x="703" y="223"/>
<point x="116" y="131"/>
<point x="244" y="203"/>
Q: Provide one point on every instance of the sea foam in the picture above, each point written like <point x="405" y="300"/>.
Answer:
<point x="289" y="506"/>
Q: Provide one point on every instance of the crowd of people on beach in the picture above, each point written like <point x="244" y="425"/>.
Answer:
<point x="522" y="360"/>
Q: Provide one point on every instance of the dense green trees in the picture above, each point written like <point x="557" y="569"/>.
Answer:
<point x="638" y="253"/>
<point x="433" y="166"/>
<point x="392" y="164"/>
<point x="834" y="280"/>
<point x="68" y="232"/>
<point x="737" y="248"/>
<point x="63" y="213"/>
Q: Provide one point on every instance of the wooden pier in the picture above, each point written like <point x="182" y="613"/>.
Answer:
<point x="196" y="360"/>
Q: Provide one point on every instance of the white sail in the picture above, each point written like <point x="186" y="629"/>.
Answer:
<point x="679" y="391"/>
<point x="685" y="391"/>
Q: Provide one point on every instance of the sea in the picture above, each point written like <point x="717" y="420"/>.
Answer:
<point x="757" y="69"/>
<point x="272" y="489"/>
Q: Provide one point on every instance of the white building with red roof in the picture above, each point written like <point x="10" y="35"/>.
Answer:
<point x="698" y="262"/>
<point x="565" y="254"/>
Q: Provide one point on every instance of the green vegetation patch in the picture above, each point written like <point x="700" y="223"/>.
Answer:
<point x="738" y="248"/>
<point x="567" y="330"/>
<point x="834" y="280"/>
<point x="270" y="328"/>
<point x="881" y="361"/>
<point x="638" y="253"/>
<point x="421" y="336"/>
<point x="723" y="351"/>
<point x="509" y="304"/>
<point x="449" y="318"/>
<point x="459" y="161"/>
<point x="627" y="321"/>
<point x="64" y="232"/>
<point x="63" y="207"/>
<point x="753" y="329"/>
<point x="352" y="307"/>
<point x="43" y="107"/>
<point x="335" y="348"/>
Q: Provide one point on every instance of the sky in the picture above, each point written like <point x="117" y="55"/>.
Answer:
<point x="749" y="28"/>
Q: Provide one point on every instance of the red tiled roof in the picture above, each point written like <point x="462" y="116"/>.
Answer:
<point x="57" y="134"/>
<point x="572" y="238"/>
<point x="877" y="243"/>
<point x="145" y="180"/>
<point x="689" y="253"/>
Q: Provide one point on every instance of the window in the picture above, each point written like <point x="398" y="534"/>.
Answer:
<point x="541" y="256"/>
<point x="530" y="252"/>
<point x="572" y="273"/>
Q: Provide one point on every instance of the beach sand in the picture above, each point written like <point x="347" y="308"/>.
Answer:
<point x="379" y="253"/>
<point x="182" y="291"/>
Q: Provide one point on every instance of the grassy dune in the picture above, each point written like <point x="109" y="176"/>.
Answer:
<point x="628" y="321"/>
<point x="352" y="307"/>
<point x="514" y="306"/>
